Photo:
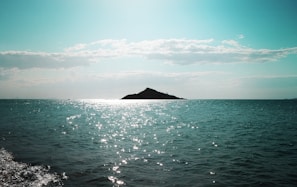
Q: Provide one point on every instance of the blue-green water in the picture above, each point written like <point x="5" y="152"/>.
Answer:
<point x="148" y="143"/>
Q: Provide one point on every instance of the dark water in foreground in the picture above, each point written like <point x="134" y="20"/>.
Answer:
<point x="148" y="143"/>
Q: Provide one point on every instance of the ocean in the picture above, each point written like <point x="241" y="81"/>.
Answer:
<point x="148" y="143"/>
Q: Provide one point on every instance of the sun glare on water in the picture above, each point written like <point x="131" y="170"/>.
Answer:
<point x="119" y="102"/>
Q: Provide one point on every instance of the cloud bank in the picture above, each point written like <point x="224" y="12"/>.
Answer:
<point x="175" y="51"/>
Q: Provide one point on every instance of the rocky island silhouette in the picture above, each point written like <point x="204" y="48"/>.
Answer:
<point x="149" y="93"/>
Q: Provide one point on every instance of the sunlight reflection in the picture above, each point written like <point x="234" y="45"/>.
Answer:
<point x="120" y="102"/>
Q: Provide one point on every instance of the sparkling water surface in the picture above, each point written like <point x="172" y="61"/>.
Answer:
<point x="148" y="143"/>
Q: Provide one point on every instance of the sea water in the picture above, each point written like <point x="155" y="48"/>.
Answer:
<point x="148" y="143"/>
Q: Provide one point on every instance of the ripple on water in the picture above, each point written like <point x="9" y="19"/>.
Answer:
<point x="184" y="143"/>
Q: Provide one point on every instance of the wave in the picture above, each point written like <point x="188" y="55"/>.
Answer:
<point x="16" y="174"/>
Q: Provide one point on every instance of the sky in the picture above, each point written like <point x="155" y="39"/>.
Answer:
<point x="106" y="49"/>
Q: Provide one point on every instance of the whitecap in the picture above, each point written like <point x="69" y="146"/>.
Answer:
<point x="16" y="174"/>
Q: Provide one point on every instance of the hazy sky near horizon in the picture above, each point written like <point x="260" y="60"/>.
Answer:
<point x="109" y="48"/>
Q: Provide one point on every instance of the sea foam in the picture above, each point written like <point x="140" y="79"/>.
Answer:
<point x="16" y="174"/>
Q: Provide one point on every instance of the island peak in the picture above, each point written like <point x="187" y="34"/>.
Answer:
<point x="150" y="93"/>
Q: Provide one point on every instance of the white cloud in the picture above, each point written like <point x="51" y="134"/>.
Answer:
<point x="175" y="51"/>
<point x="231" y="43"/>
<point x="76" y="47"/>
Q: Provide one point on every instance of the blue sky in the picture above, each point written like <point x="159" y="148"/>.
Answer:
<point x="221" y="49"/>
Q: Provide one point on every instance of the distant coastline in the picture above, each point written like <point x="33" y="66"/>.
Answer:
<point x="149" y="93"/>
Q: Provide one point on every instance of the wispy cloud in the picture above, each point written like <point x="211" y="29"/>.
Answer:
<point x="156" y="74"/>
<point x="240" y="36"/>
<point x="271" y="77"/>
<point x="70" y="82"/>
<point x="37" y="76"/>
<point x="28" y="59"/>
<point x="175" y="51"/>
<point x="5" y="74"/>
<point x="197" y="84"/>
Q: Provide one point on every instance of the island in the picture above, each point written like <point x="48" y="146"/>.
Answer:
<point x="149" y="93"/>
